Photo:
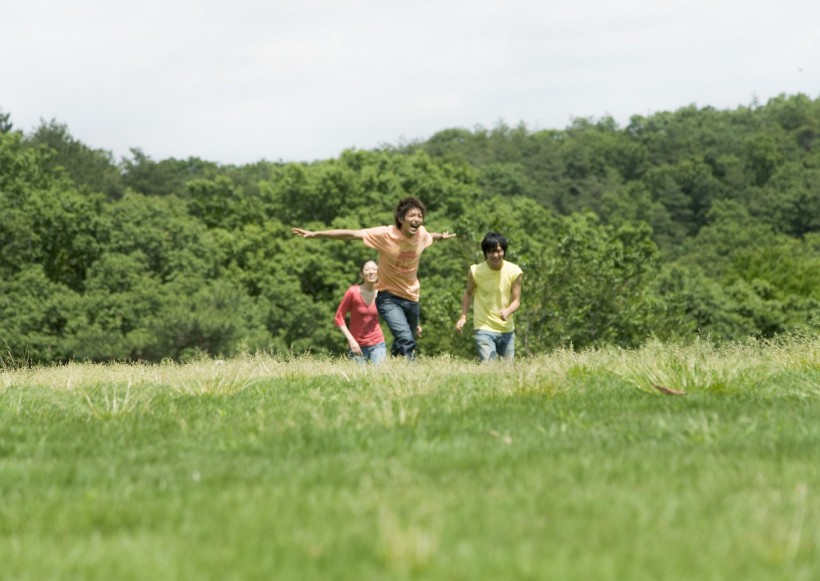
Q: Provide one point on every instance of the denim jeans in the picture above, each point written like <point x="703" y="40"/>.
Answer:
<point x="491" y="345"/>
<point x="374" y="353"/>
<point x="402" y="318"/>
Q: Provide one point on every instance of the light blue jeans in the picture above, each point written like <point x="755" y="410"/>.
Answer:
<point x="402" y="317"/>
<point x="492" y="345"/>
<point x="373" y="353"/>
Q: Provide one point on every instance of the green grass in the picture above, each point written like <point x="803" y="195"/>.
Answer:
<point x="566" y="466"/>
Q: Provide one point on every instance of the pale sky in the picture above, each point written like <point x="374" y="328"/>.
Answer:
<point x="300" y="80"/>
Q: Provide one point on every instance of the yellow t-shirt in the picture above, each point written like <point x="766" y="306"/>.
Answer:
<point x="398" y="259"/>
<point x="493" y="290"/>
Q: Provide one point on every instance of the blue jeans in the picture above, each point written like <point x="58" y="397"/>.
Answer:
<point x="374" y="353"/>
<point x="491" y="345"/>
<point x="402" y="317"/>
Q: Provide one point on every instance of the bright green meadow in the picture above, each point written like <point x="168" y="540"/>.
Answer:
<point x="570" y="465"/>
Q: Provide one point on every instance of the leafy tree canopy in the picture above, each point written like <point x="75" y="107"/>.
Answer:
<point x="687" y="223"/>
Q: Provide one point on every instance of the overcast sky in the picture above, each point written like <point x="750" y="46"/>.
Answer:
<point x="298" y="80"/>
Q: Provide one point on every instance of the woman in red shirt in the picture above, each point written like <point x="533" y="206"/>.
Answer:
<point x="364" y="335"/>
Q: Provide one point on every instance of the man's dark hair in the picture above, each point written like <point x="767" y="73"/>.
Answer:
<point x="492" y="241"/>
<point x="404" y="206"/>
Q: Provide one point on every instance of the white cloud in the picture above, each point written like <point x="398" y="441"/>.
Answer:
<point x="239" y="81"/>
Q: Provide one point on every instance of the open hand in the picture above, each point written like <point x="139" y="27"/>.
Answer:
<point x="302" y="232"/>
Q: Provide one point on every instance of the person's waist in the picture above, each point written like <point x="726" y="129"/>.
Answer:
<point x="398" y="295"/>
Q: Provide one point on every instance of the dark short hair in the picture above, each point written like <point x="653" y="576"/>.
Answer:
<point x="404" y="206"/>
<point x="492" y="241"/>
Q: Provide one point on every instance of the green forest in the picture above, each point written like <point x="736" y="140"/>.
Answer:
<point x="681" y="226"/>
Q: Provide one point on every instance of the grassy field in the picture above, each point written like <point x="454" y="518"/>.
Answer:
<point x="565" y="466"/>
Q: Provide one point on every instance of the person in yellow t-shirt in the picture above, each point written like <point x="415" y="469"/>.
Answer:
<point x="399" y="247"/>
<point x="494" y="289"/>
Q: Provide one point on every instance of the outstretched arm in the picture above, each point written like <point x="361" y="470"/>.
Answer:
<point x="442" y="235"/>
<point x="332" y="234"/>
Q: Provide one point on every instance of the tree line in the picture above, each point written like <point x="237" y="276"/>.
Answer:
<point x="695" y="223"/>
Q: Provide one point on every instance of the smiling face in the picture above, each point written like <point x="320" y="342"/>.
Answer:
<point x="494" y="247"/>
<point x="495" y="257"/>
<point x="370" y="272"/>
<point x="411" y="222"/>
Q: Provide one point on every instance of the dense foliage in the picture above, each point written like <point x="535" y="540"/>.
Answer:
<point x="697" y="222"/>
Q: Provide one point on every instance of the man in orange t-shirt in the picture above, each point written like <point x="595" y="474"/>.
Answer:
<point x="399" y="247"/>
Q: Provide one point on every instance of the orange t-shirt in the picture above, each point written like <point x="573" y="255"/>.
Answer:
<point x="398" y="258"/>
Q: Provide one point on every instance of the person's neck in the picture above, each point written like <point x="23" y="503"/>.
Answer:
<point x="368" y="286"/>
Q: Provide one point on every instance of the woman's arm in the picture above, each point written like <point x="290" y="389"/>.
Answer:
<point x="351" y="341"/>
<point x="343" y="309"/>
